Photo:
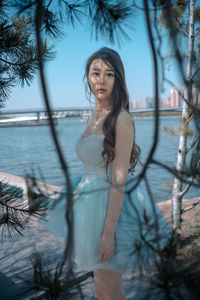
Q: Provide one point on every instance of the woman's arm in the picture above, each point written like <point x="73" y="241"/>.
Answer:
<point x="120" y="164"/>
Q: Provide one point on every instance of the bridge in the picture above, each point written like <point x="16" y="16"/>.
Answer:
<point x="65" y="112"/>
<point x="39" y="117"/>
<point x="62" y="112"/>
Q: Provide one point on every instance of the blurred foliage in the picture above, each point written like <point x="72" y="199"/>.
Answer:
<point x="18" y="55"/>
<point x="106" y="18"/>
<point x="48" y="282"/>
<point x="186" y="130"/>
<point x="16" y="212"/>
<point x="179" y="21"/>
<point x="168" y="184"/>
<point x="172" y="131"/>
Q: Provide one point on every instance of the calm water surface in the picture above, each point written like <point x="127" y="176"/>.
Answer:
<point x="24" y="149"/>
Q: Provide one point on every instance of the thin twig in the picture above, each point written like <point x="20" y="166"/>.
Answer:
<point x="195" y="73"/>
<point x="174" y="172"/>
<point x="197" y="32"/>
<point x="156" y="93"/>
<point x="181" y="25"/>
<point x="191" y="206"/>
<point x="193" y="144"/>
<point x="191" y="180"/>
<point x="69" y="215"/>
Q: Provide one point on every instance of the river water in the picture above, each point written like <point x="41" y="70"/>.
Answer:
<point x="27" y="149"/>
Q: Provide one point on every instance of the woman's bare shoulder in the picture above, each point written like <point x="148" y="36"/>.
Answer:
<point x="125" y="118"/>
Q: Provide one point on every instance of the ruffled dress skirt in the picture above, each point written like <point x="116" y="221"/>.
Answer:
<point x="141" y="231"/>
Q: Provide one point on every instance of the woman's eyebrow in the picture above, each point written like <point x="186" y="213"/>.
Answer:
<point x="97" y="68"/>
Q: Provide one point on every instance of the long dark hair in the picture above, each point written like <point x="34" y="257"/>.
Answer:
<point x="119" y="100"/>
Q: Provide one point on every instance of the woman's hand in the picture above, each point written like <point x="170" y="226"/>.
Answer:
<point x="106" y="246"/>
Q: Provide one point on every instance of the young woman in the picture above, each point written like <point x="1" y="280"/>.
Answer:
<point x="113" y="230"/>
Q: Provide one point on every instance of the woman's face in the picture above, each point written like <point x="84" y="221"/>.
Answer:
<point x="101" y="78"/>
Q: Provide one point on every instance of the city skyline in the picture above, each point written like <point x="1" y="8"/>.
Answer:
<point x="175" y="99"/>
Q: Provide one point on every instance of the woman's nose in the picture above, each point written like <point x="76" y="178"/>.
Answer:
<point x="102" y="78"/>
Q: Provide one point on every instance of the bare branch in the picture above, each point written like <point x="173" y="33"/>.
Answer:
<point x="159" y="48"/>
<point x="172" y="32"/>
<point x="185" y="190"/>
<point x="191" y="180"/>
<point x="156" y="93"/>
<point x="181" y="26"/>
<point x="193" y="144"/>
<point x="195" y="73"/>
<point x="174" y="172"/>
<point x="190" y="117"/>
<point x="191" y="206"/>
<point x="197" y="32"/>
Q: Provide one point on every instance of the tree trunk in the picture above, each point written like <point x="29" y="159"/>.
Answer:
<point x="177" y="186"/>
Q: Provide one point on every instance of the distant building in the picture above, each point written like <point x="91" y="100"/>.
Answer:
<point x="174" y="100"/>
<point x="165" y="102"/>
<point x="144" y="102"/>
<point x="176" y="97"/>
<point x="132" y="104"/>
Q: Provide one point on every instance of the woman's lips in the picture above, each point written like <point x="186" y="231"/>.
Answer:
<point x="101" y="90"/>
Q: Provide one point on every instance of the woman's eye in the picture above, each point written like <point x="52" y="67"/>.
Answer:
<point x="110" y="74"/>
<point x="96" y="73"/>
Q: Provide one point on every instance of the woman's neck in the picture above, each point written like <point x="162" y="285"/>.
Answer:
<point x="103" y="104"/>
<point x="103" y="108"/>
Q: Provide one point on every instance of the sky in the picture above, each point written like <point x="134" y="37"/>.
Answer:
<point x="65" y="73"/>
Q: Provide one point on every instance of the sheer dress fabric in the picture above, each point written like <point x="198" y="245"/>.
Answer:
<point x="100" y="197"/>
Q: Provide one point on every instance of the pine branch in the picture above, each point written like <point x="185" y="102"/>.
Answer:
<point x="14" y="213"/>
<point x="18" y="64"/>
<point x="175" y="277"/>
<point x="107" y="19"/>
<point x="18" y="54"/>
<point x="47" y="282"/>
<point x="50" y="1"/>
<point x="23" y="5"/>
<point x="5" y="87"/>
<point x="72" y="13"/>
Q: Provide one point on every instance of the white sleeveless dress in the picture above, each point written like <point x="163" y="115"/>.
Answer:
<point x="141" y="229"/>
